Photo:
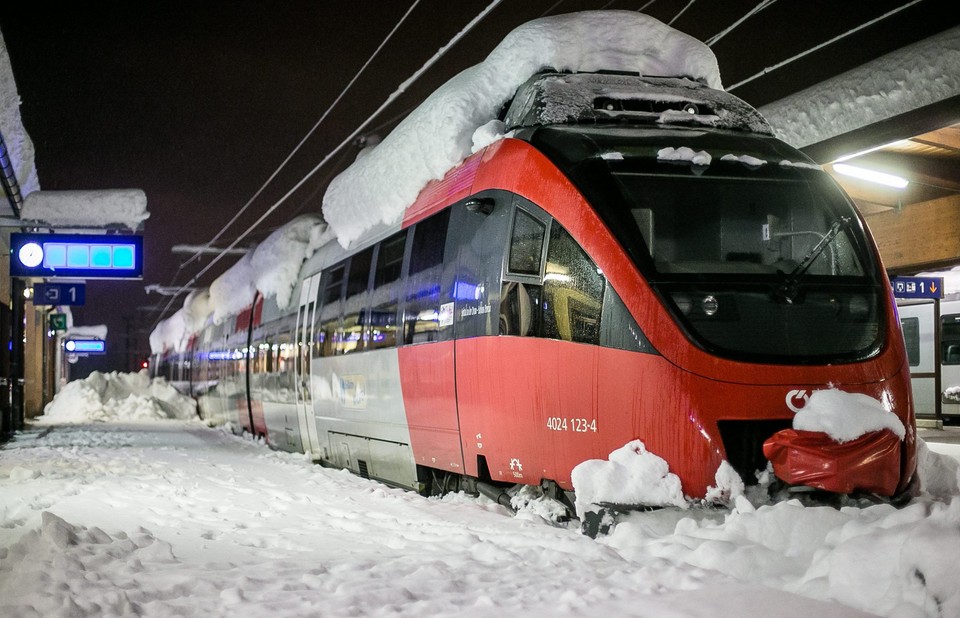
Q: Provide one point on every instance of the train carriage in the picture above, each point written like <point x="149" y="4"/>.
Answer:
<point x="647" y="262"/>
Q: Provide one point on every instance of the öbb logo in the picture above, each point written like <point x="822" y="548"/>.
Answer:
<point x="796" y="399"/>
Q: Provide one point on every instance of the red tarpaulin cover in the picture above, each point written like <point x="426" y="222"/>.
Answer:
<point x="871" y="463"/>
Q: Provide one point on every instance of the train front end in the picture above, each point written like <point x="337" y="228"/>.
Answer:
<point x="752" y="275"/>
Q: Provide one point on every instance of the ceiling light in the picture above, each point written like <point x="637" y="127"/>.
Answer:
<point x="873" y="176"/>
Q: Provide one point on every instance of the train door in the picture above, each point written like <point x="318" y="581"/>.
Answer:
<point x="304" y="339"/>
<point x="949" y="354"/>
<point x="526" y="373"/>
<point x="918" y="321"/>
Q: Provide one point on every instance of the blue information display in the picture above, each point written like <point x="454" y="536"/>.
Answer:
<point x="917" y="287"/>
<point x="59" y="294"/>
<point x="76" y="255"/>
<point x="85" y="346"/>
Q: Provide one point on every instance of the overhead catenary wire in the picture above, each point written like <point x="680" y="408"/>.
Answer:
<point x="323" y="117"/>
<point x="682" y="11"/>
<point x="716" y="38"/>
<point x="399" y="91"/>
<point x="822" y="45"/>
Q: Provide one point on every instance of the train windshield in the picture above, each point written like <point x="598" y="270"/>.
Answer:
<point x="758" y="260"/>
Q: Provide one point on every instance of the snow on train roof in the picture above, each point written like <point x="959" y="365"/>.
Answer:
<point x="438" y="135"/>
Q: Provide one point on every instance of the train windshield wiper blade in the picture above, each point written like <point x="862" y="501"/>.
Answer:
<point x="789" y="289"/>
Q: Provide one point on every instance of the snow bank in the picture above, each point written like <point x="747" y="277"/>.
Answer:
<point x="439" y="134"/>
<point x="631" y="476"/>
<point x="118" y="396"/>
<point x="845" y="416"/>
<point x="127" y="207"/>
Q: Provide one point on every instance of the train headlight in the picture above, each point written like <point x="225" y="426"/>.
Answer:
<point x="709" y="305"/>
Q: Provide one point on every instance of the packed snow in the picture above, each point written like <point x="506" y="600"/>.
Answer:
<point x="860" y="415"/>
<point x="170" y="517"/>
<point x="118" y="396"/>
<point x="440" y="133"/>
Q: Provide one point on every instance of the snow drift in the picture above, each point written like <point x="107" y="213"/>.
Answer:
<point x="118" y="397"/>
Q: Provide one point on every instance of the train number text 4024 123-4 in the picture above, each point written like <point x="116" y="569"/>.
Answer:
<point x="578" y="425"/>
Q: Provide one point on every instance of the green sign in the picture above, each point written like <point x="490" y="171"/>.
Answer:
<point x="58" y="321"/>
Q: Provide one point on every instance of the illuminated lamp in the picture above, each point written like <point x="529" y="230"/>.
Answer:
<point x="870" y="175"/>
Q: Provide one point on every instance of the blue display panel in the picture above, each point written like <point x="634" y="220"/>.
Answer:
<point x="85" y="346"/>
<point x="76" y="255"/>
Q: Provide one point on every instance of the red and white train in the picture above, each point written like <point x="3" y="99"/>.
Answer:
<point x="570" y="288"/>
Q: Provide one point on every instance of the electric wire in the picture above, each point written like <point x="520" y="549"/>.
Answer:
<point x="310" y="132"/>
<point x="715" y="38"/>
<point x="821" y="45"/>
<point x="399" y="91"/>
<point x="682" y="11"/>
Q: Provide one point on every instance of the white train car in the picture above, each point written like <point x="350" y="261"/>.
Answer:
<point x="934" y="367"/>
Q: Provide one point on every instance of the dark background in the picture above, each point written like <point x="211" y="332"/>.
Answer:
<point x="197" y="103"/>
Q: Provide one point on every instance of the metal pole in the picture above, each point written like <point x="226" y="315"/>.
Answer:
<point x="17" y="286"/>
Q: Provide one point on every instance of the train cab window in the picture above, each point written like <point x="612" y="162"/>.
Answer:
<point x="329" y="328"/>
<point x="526" y="244"/>
<point x="950" y="339"/>
<point x="382" y="324"/>
<point x="572" y="291"/>
<point x="911" y="337"/>
<point x="355" y="303"/>
<point x="421" y="321"/>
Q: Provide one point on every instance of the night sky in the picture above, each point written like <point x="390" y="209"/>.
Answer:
<point x="197" y="103"/>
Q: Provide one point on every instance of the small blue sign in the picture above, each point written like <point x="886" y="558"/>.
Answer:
<point x="85" y="346"/>
<point x="59" y="294"/>
<point x="917" y="287"/>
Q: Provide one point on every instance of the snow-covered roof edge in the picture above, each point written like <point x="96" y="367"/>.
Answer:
<point x="438" y="135"/>
<point x="904" y="80"/>
<point x="15" y="136"/>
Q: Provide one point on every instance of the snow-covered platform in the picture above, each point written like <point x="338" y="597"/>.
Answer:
<point x="163" y="517"/>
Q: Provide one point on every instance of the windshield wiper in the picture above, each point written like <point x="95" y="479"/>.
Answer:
<point x="789" y="288"/>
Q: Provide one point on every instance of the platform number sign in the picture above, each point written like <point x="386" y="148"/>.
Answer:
<point x="917" y="287"/>
<point x="59" y="294"/>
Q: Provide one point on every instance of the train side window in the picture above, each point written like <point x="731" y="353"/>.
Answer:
<point x="950" y="339"/>
<point x="382" y="323"/>
<point x="526" y="244"/>
<point x="329" y="328"/>
<point x="572" y="291"/>
<point x="421" y="311"/>
<point x="355" y="303"/>
<point x="911" y="337"/>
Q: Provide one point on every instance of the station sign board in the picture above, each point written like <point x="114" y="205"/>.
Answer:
<point x="917" y="287"/>
<point x="85" y="345"/>
<point x="80" y="256"/>
<point x="59" y="294"/>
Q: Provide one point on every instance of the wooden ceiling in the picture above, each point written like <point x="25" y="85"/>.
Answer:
<point x="918" y="227"/>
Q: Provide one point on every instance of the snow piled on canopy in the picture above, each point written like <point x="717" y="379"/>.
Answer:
<point x="18" y="142"/>
<point x="126" y="207"/>
<point x="97" y="331"/>
<point x="272" y="268"/>
<point x="846" y="416"/>
<point x="439" y="134"/>
<point x="921" y="74"/>
<point x="116" y="396"/>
